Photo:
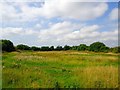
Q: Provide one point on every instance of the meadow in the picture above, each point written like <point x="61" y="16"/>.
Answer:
<point x="59" y="69"/>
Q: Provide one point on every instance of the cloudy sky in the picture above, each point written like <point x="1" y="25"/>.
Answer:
<point x="59" y="22"/>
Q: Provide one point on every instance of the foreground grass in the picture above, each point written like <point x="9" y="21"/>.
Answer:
<point x="60" y="69"/>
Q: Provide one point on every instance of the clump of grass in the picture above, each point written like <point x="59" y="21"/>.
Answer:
<point x="15" y="65"/>
<point x="57" y="86"/>
<point x="96" y="77"/>
<point x="98" y="84"/>
<point x="63" y="70"/>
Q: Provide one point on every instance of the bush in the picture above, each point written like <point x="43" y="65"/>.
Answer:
<point x="23" y="47"/>
<point x="59" y="48"/>
<point x="74" y="47"/>
<point x="104" y="49"/>
<point x="52" y="48"/>
<point x="35" y="48"/>
<point x="7" y="45"/>
<point x="82" y="47"/>
<point x="115" y="49"/>
<point x="45" y="48"/>
<point x="98" y="47"/>
<point x="66" y="47"/>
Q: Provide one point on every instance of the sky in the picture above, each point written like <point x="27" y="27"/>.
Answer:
<point x="62" y="22"/>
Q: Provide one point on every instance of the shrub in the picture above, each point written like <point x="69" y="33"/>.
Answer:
<point x="52" y="48"/>
<point x="7" y="45"/>
<point x="23" y="47"/>
<point x="98" y="47"/>
<point x="82" y="47"/>
<point x="59" y="48"/>
<point x="66" y="47"/>
<point x="74" y="47"/>
<point x="115" y="49"/>
<point x="35" y="48"/>
<point x="45" y="48"/>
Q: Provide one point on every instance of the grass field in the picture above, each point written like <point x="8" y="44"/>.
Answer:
<point x="59" y="69"/>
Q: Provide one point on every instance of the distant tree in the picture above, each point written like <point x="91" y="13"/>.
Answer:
<point x="23" y="47"/>
<point x="45" y="48"/>
<point x="7" y="45"/>
<point x="34" y="48"/>
<point x="52" y="48"/>
<point x="74" y="47"/>
<point x="66" y="47"/>
<point x="98" y="47"/>
<point x="82" y="47"/>
<point x="59" y="48"/>
<point x="104" y="49"/>
<point x="115" y="49"/>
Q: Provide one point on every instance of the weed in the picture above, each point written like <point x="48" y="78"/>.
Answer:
<point x="57" y="87"/>
<point x="98" y="84"/>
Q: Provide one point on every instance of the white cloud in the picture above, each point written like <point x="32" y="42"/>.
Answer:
<point x="56" y="31"/>
<point x="74" y="34"/>
<point x="9" y="31"/>
<point x="62" y="33"/>
<point x="111" y="35"/>
<point x="114" y="14"/>
<point x="16" y="12"/>
<point x="84" y="32"/>
<point x="76" y="10"/>
<point x="13" y="32"/>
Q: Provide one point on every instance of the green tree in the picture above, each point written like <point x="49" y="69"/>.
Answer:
<point x="52" y="48"/>
<point x="66" y="47"/>
<point x="82" y="47"/>
<point x="45" y="48"/>
<point x="23" y="47"/>
<point x="59" y="48"/>
<point x="34" y="48"/>
<point x="104" y="49"/>
<point x="98" y="47"/>
<point x="74" y="47"/>
<point x="115" y="49"/>
<point x="7" y="45"/>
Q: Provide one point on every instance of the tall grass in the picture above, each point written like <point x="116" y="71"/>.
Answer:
<point x="60" y="69"/>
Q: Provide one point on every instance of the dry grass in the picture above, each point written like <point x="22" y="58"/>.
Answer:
<point x="67" y="69"/>
<point x="96" y="77"/>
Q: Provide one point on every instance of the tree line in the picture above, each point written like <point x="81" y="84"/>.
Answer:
<point x="8" y="46"/>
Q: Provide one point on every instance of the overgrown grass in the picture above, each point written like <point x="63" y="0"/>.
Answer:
<point x="59" y="69"/>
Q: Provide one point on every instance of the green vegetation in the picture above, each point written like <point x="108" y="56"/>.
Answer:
<point x="34" y="48"/>
<point x="98" y="47"/>
<point x="67" y="47"/>
<point x="59" y="69"/>
<point x="8" y="46"/>
<point x="82" y="47"/>
<point x="23" y="47"/>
